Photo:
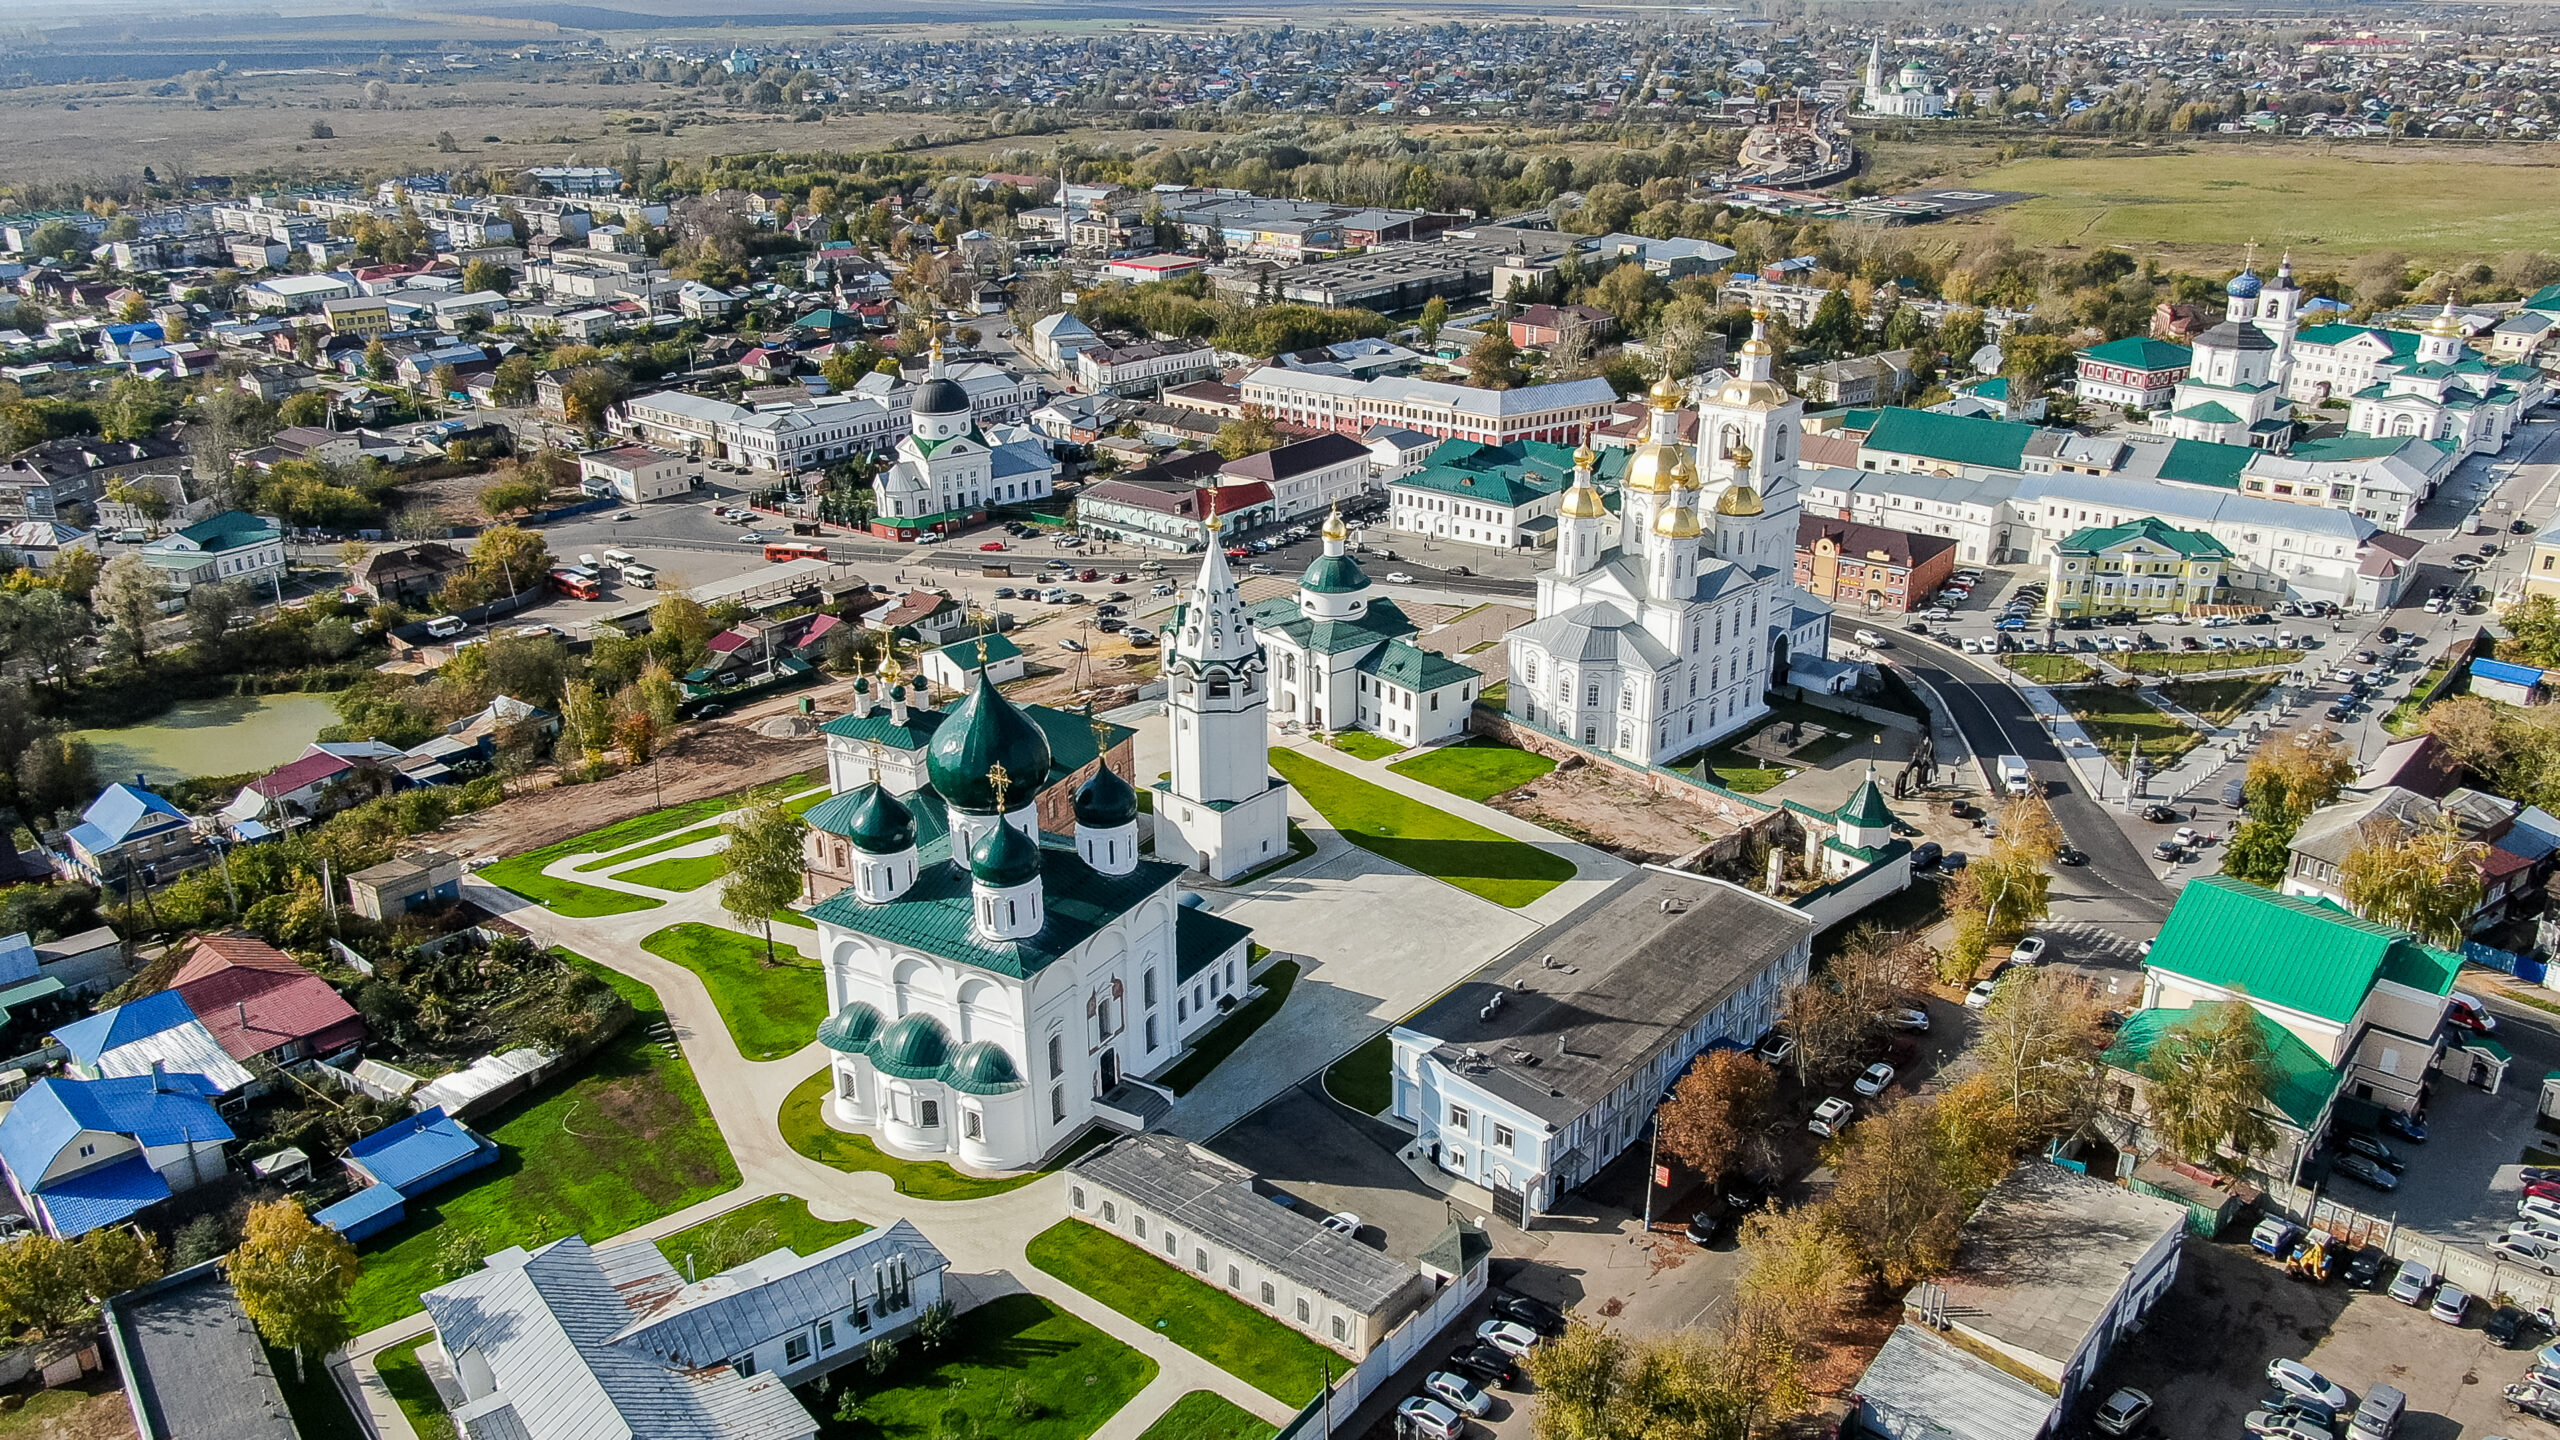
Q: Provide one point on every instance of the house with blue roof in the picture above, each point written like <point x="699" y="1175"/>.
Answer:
<point x="155" y="1034"/>
<point x="85" y="1153"/>
<point x="2509" y="683"/>
<point x="402" y="1161"/>
<point x="129" y="831"/>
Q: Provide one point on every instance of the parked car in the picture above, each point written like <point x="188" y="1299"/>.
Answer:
<point x="2529" y="1250"/>
<point x="2162" y="814"/>
<point x="1427" y="1416"/>
<point x="1877" y="1079"/>
<point x="1508" y="1336"/>
<point x="1706" y="1225"/>
<point x="1398" y="577"/>
<point x="1926" y="854"/>
<point x="1831" y="1117"/>
<point x="2122" y="1411"/>
<point x="2534" y="1207"/>
<point x="1979" y="997"/>
<point x="2532" y="1397"/>
<point x="2470" y="1012"/>
<point x="2275" y="1236"/>
<point x="2284" y="1425"/>
<point x="2359" y="1143"/>
<point x="2515" y="1327"/>
<point x="2452" y="1304"/>
<point x="2365" y="1267"/>
<point x="2169" y="850"/>
<point x="2412" y="1284"/>
<point x="1458" y="1393"/>
<point x="1520" y="1309"/>
<point x="2296" y="1378"/>
<point x="1906" y="1018"/>
<point x="1483" y="1364"/>
<point x="2531" y="1173"/>
<point x="2408" y="1125"/>
<point x="1342" y="1222"/>
<point x="2028" y="951"/>
<point x="2364" y="1171"/>
<point x="2283" y="1401"/>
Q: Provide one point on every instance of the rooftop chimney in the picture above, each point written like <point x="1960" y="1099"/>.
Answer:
<point x="159" y="1076"/>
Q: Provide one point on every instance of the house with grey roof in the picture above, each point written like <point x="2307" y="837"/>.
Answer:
<point x="1204" y="1215"/>
<point x="191" y="1361"/>
<point x="1525" y="1080"/>
<point x="572" y="1342"/>
<point x="2052" y="1269"/>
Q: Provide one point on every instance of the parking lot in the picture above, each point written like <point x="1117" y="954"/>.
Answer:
<point x="2202" y="1355"/>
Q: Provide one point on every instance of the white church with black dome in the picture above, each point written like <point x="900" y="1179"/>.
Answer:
<point x="992" y="989"/>
<point x="946" y="469"/>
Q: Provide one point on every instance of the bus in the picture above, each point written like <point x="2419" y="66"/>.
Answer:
<point x="577" y="584"/>
<point x="640" y="575"/>
<point x="781" y="550"/>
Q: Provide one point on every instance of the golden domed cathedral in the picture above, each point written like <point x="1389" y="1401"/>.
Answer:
<point x="1664" y="632"/>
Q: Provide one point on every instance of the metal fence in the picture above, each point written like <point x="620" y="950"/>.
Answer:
<point x="2476" y="1271"/>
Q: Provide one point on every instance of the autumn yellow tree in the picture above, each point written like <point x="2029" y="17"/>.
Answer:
<point x="293" y="1276"/>
<point x="2426" y="880"/>
<point x="1715" y="1112"/>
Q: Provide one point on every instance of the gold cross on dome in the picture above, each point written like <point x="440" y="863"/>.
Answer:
<point x="1001" y="781"/>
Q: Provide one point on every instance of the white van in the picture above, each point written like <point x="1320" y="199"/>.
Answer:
<point x="2015" y="777"/>
<point x="640" y="575"/>
<point x="620" y="559"/>
<point x="445" y="627"/>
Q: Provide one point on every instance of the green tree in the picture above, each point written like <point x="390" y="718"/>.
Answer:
<point x="52" y="1287"/>
<point x="137" y="406"/>
<point x="1715" y="1112"/>
<point x="2426" y="880"/>
<point x="1835" y="328"/>
<point x="2206" y="1083"/>
<point x="2291" y="775"/>
<point x="1435" y="313"/>
<point x="2533" y="629"/>
<point x="293" y="1276"/>
<point x="377" y="362"/>
<point x="211" y="609"/>
<point x="586" y="719"/>
<point x="680" y="630"/>
<point x="513" y="381"/>
<point x="127" y="596"/>
<point x="310" y="408"/>
<point x="762" y="866"/>
<point x="482" y="275"/>
<point x="1900" y="1201"/>
<point x="2033" y="361"/>
<point x="1494" y="363"/>
<point x="1250" y="433"/>
<point x="506" y="560"/>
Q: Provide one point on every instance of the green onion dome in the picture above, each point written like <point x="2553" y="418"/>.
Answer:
<point x="1105" y="802"/>
<point x="881" y="823"/>
<point x="983" y="732"/>
<point x="1004" y="857"/>
<point x="982" y="1068"/>
<point x="1334" y="575"/>
<point x="851" y="1029"/>
<point x="916" y="1048"/>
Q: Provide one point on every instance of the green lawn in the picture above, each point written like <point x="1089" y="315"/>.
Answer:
<point x="807" y="1131"/>
<point x="684" y="872"/>
<point x="2195" y="662"/>
<point x="407" y="1381"/>
<point x="2050" y="669"/>
<point x="1016" y="1367"/>
<point x="523" y="873"/>
<point x="793" y="1227"/>
<point x="2119" y="719"/>
<point x="1366" y="745"/>
<point x="1208" y="1322"/>
<point x="1477" y="860"/>
<point x="677" y="841"/>
<point x="770" y="1011"/>
<point x="1207" y="1415"/>
<point x="625" y="1140"/>
<point x="1364" y="1079"/>
<point x="1475" y="770"/>
<point x="2220" y="701"/>
<point x="1220" y="1040"/>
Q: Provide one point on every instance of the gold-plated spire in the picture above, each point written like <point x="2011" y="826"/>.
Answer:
<point x="1211" y="522"/>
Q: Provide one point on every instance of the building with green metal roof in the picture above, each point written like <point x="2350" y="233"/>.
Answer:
<point x="2147" y="566"/>
<point x="1503" y="497"/>
<point x="1342" y="657"/>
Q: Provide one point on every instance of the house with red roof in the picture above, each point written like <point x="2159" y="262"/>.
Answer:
<point x="259" y="1003"/>
<point x="287" y="796"/>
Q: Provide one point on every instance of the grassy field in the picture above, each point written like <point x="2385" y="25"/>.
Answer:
<point x="523" y="873"/>
<point x="807" y="1131"/>
<point x="626" y="1140"/>
<point x="684" y="872"/>
<point x="677" y="841"/>
<point x="2328" y="204"/>
<point x="1477" y="860"/>
<point x="1364" y="1079"/>
<point x="2120" y="719"/>
<point x="1366" y="745"/>
<point x="2050" y="669"/>
<point x="2201" y="662"/>
<point x="1206" y="1415"/>
<point x="1202" y="1319"/>
<point x="1477" y="770"/>
<point x="2220" y="701"/>
<point x="407" y="1381"/>
<point x="1220" y="1040"/>
<point x="793" y="1227"/>
<point x="770" y="1010"/>
<point x="1016" y="1366"/>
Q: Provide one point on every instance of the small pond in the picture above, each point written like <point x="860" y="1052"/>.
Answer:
<point x="227" y="736"/>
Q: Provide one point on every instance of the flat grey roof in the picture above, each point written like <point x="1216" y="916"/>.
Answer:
<point x="197" y="1366"/>
<point x="1215" y="1199"/>
<point x="1586" y="1000"/>
<point x="2045" y="1254"/>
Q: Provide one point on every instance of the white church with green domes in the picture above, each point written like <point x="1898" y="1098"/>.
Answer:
<point x="994" y="989"/>
<point x="1343" y="657"/>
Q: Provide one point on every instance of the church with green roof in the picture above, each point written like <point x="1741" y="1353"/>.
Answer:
<point x="1003" y="967"/>
<point x="1342" y="657"/>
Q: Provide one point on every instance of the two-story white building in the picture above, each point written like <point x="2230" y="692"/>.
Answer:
<point x="1528" y="1078"/>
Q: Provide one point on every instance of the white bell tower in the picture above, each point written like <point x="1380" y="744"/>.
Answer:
<point x="1222" y="811"/>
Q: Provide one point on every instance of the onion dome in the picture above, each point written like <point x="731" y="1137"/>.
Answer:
<point x="850" y="1030"/>
<point x="982" y="1068"/>
<point x="2244" y="286"/>
<point x="916" y="1048"/>
<point x="1582" y="503"/>
<point x="985" y="732"/>
<point x="1005" y="857"/>
<point x="1679" y="522"/>
<point x="1105" y="802"/>
<point x="1334" y="529"/>
<point x="1738" y="499"/>
<point x="881" y="824"/>
<point x="1665" y="394"/>
<point x="1650" y="469"/>
<point x="1334" y="575"/>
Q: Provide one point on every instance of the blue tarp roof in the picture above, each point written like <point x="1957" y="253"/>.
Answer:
<point x="114" y="1029"/>
<point x="2505" y="673"/>
<point x="422" y="1148"/>
<point x="78" y="1204"/>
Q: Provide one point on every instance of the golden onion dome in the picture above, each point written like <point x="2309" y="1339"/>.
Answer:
<point x="1684" y="470"/>
<point x="1666" y="394"/>
<point x="1333" y="526"/>
<point x="1583" y="503"/>
<point x="1677" y="522"/>
<point x="1739" y="499"/>
<point x="1584" y="457"/>
<point x="2445" y="327"/>
<point x="1650" y="470"/>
